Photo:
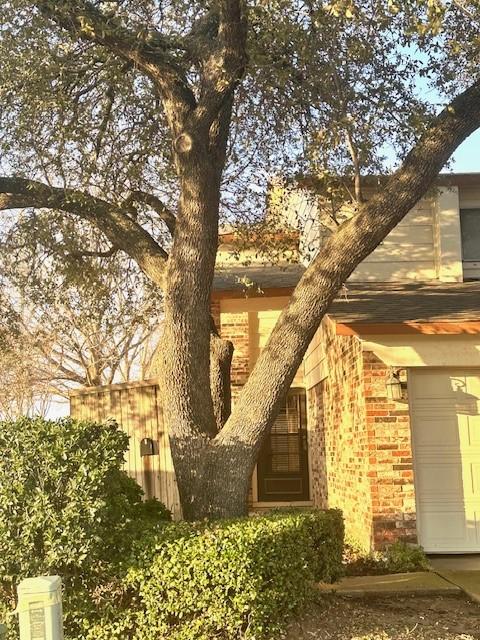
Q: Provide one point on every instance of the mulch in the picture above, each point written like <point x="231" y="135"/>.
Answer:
<point x="446" y="617"/>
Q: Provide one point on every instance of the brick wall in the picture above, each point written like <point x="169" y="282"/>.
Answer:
<point x="339" y="439"/>
<point x="235" y="327"/>
<point x="391" y="461"/>
<point x="360" y="445"/>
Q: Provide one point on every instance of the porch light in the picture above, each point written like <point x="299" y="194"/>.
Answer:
<point x="394" y="386"/>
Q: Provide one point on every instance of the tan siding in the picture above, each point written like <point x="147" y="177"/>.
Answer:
<point x="136" y="408"/>
<point x="315" y="361"/>
<point x="408" y="252"/>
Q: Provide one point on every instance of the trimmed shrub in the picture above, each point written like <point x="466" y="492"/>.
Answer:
<point x="228" y="580"/>
<point x="66" y="507"/>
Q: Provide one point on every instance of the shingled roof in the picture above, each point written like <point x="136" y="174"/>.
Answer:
<point x="426" y="302"/>
<point x="365" y="303"/>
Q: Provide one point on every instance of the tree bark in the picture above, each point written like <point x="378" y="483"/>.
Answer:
<point x="185" y="375"/>
<point x="221" y="353"/>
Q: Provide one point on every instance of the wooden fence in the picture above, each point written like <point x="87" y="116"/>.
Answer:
<point x="136" y="408"/>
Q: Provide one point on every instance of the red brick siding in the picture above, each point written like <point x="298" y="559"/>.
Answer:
<point x="391" y="460"/>
<point x="340" y="457"/>
<point x="360" y="445"/>
<point x="234" y="327"/>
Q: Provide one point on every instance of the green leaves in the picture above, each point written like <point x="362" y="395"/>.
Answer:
<point x="231" y="579"/>
<point x="67" y="508"/>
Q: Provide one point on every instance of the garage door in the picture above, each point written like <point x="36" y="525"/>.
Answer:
<point x="445" y="406"/>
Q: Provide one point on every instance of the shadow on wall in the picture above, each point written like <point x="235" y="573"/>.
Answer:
<point x="446" y="439"/>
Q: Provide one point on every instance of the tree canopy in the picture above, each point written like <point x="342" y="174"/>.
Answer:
<point x="136" y="127"/>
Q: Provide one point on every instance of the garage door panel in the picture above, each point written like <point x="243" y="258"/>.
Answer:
<point x="438" y="431"/>
<point x="446" y="439"/>
<point x="458" y="532"/>
<point x="437" y="385"/>
<point x="440" y="481"/>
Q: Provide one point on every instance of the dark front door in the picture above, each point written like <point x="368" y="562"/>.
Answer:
<point x="282" y="468"/>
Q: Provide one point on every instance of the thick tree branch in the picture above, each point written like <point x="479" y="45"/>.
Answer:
<point x="158" y="206"/>
<point x="225" y="65"/>
<point x="117" y="226"/>
<point x="151" y="54"/>
<point x="335" y="261"/>
<point x="198" y="42"/>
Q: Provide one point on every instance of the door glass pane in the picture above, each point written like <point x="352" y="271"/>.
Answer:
<point x="284" y="439"/>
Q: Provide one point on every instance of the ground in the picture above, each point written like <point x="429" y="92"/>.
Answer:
<point x="393" y="618"/>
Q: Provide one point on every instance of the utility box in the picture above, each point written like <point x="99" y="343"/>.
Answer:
<point x="40" y="608"/>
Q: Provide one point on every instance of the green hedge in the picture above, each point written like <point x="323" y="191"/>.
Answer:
<point x="67" y="508"/>
<point x="226" y="580"/>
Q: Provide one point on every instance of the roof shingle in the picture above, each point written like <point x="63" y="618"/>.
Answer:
<point x="378" y="302"/>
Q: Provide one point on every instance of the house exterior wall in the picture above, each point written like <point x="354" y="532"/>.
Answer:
<point x="407" y="253"/>
<point x="339" y="446"/>
<point x="360" y="444"/>
<point x="425" y="350"/>
<point x="360" y="457"/>
<point x="247" y="322"/>
<point x="390" y="458"/>
<point x="425" y="246"/>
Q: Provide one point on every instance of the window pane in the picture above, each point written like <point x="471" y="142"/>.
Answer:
<point x="470" y="225"/>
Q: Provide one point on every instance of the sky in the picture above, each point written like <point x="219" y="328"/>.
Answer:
<point x="467" y="157"/>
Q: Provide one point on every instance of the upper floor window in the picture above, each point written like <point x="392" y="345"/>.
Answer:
<point x="470" y="228"/>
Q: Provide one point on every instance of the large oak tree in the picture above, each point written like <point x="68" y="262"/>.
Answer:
<point x="148" y="120"/>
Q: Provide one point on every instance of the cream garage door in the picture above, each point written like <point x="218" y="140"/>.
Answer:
<point x="445" y="407"/>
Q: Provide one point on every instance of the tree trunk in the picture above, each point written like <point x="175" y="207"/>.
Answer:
<point x="221" y="353"/>
<point x="185" y="374"/>
<point x="221" y="486"/>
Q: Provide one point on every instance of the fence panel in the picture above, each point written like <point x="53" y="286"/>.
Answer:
<point x="136" y="408"/>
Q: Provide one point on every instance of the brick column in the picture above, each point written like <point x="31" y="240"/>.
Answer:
<point x="390" y="458"/>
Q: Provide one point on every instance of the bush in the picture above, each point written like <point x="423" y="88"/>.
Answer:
<point x="398" y="557"/>
<point x="401" y="557"/>
<point x="66" y="507"/>
<point x="227" y="579"/>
